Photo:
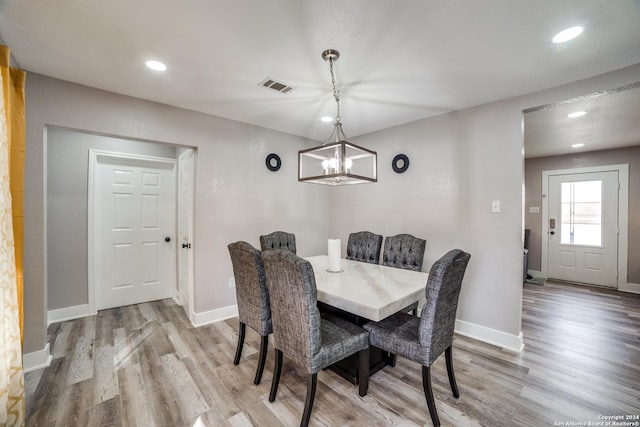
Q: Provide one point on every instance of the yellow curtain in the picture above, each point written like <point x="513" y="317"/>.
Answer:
<point x="12" y="403"/>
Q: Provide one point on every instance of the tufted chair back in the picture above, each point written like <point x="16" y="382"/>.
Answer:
<point x="404" y="251"/>
<point x="364" y="246"/>
<point x="251" y="289"/>
<point x="278" y="240"/>
<point x="438" y="316"/>
<point x="296" y="318"/>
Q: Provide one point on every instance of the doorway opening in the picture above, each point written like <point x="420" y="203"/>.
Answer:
<point x="66" y="215"/>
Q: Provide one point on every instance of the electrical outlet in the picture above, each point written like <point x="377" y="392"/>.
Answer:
<point x="534" y="209"/>
<point x="232" y="282"/>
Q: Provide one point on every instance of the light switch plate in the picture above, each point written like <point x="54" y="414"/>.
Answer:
<point x="495" y="206"/>
<point x="534" y="209"/>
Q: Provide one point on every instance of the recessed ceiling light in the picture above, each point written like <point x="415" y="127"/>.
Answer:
<point x="576" y="114"/>
<point x="327" y="119"/>
<point x="577" y="145"/>
<point x="156" y="65"/>
<point x="568" y="34"/>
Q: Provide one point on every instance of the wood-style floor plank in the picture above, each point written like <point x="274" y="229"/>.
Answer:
<point x="146" y="365"/>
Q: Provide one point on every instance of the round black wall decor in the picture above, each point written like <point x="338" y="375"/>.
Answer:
<point x="273" y="162"/>
<point x="400" y="163"/>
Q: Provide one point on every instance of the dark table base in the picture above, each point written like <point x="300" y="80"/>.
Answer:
<point x="348" y="368"/>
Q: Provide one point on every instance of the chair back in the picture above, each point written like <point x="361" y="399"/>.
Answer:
<point x="278" y="240"/>
<point x="294" y="305"/>
<point x="438" y="316"/>
<point x="404" y="251"/>
<point x="364" y="246"/>
<point x="251" y="290"/>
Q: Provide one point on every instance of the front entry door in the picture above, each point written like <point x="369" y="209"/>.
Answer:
<point x="134" y="229"/>
<point x="583" y="228"/>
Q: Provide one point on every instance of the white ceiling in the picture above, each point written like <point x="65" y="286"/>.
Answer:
<point x="400" y="60"/>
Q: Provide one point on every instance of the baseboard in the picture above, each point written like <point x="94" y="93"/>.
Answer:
<point x="534" y="273"/>
<point x="633" y="288"/>
<point x="67" y="313"/>
<point x="212" y="316"/>
<point x="36" y="360"/>
<point x="509" y="342"/>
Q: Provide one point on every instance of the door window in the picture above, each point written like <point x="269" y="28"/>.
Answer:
<point x="581" y="213"/>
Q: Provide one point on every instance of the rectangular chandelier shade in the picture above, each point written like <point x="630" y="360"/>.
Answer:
<point x="337" y="163"/>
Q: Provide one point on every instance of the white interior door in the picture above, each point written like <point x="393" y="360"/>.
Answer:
<point x="583" y="228"/>
<point x="185" y="231"/>
<point x="133" y="229"/>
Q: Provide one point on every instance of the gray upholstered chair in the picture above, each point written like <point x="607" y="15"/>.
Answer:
<point x="406" y="252"/>
<point x="364" y="246"/>
<point x="253" y="299"/>
<point x="278" y="240"/>
<point x="425" y="338"/>
<point x="300" y="333"/>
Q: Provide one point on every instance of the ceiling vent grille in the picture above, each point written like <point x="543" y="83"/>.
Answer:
<point x="275" y="85"/>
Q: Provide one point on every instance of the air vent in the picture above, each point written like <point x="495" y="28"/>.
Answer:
<point x="277" y="86"/>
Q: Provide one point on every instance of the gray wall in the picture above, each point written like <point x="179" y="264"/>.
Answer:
<point x="236" y="197"/>
<point x="460" y="162"/>
<point x="67" y="178"/>
<point x="533" y="184"/>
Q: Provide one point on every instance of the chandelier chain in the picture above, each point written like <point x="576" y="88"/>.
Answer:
<point x="335" y="91"/>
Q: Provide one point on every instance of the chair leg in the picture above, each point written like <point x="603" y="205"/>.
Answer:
<point x="308" y="403"/>
<point x="391" y="360"/>
<point x="363" y="372"/>
<point x="264" y="345"/>
<point x="452" y="377"/>
<point x="277" y="369"/>
<point x="428" y="394"/>
<point x="241" y="333"/>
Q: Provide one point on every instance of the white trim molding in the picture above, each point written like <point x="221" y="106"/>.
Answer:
<point x="213" y="316"/>
<point x="535" y="273"/>
<point x="36" y="360"/>
<point x="509" y="342"/>
<point x="633" y="288"/>
<point x="68" y="313"/>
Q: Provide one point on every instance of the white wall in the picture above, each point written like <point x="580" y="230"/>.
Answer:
<point x="236" y="197"/>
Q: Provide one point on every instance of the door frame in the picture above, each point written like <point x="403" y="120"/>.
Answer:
<point x="123" y="158"/>
<point x="190" y="309"/>
<point x="623" y="216"/>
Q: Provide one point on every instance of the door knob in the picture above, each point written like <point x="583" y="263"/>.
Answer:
<point x="552" y="232"/>
<point x="167" y="239"/>
<point x="186" y="245"/>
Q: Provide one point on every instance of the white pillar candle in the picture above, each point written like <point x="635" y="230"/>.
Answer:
<point x="334" y="255"/>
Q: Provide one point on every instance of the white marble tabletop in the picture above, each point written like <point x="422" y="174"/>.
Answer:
<point x="368" y="290"/>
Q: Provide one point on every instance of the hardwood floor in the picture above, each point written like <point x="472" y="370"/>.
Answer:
<point x="146" y="365"/>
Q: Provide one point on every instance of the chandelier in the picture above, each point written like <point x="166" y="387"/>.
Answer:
<point x="339" y="162"/>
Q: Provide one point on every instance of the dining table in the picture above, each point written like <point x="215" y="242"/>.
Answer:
<point x="361" y="292"/>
